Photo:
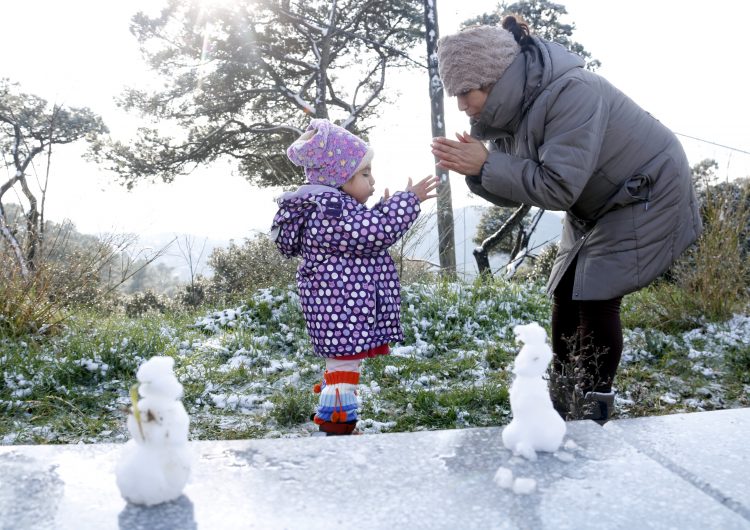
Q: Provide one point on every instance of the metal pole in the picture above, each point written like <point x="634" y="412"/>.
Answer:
<point x="446" y="239"/>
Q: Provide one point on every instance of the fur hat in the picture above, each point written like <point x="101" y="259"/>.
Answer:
<point x="330" y="154"/>
<point x="475" y="57"/>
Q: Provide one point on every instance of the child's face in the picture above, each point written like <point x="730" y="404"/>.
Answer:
<point x="361" y="186"/>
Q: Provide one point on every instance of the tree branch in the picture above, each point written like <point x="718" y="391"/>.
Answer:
<point x="357" y="110"/>
<point x="13" y="242"/>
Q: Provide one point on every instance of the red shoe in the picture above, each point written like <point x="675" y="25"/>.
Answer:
<point x="337" y="429"/>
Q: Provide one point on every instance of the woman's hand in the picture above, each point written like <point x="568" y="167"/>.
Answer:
<point x="465" y="156"/>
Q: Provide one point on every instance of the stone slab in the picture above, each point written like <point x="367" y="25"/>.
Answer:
<point x="711" y="450"/>
<point x="437" y="479"/>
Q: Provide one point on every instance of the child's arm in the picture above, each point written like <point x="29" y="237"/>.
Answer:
<point x="372" y="231"/>
<point x="288" y="223"/>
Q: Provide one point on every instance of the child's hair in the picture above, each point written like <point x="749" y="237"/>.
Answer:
<point x="329" y="154"/>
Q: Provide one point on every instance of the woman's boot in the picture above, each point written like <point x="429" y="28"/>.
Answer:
<point x="598" y="406"/>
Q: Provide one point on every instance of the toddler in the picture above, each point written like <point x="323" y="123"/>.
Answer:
<point x="348" y="285"/>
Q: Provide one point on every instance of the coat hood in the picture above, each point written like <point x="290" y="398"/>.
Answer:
<point x="530" y="73"/>
<point x="294" y="206"/>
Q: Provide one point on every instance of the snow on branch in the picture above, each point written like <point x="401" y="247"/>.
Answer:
<point x="294" y="18"/>
<point x="331" y="18"/>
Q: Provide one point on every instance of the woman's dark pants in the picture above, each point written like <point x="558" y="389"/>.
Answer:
<point x="590" y="328"/>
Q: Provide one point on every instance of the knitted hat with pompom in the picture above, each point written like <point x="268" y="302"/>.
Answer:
<point x="475" y="57"/>
<point x="330" y="154"/>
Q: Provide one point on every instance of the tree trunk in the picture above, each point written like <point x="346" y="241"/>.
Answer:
<point x="481" y="253"/>
<point x="14" y="245"/>
<point x="521" y="248"/>
<point x="446" y="240"/>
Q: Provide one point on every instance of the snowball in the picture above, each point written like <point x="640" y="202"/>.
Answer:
<point x="504" y="477"/>
<point x="564" y="456"/>
<point x="524" y="486"/>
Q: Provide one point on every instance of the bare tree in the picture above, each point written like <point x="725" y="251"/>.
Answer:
<point x="28" y="128"/>
<point x="187" y="248"/>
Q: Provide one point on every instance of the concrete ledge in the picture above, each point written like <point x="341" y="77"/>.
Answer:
<point x="711" y="450"/>
<point x="660" y="472"/>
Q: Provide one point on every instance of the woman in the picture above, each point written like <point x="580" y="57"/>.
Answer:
<point x="563" y="138"/>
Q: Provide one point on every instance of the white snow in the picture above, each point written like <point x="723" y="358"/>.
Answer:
<point x="524" y="486"/>
<point x="519" y="485"/>
<point x="390" y="370"/>
<point x="370" y="426"/>
<point x="669" y="398"/>
<point x="564" y="456"/>
<point x="504" y="477"/>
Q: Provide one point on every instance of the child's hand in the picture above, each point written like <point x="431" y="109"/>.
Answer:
<point x="424" y="187"/>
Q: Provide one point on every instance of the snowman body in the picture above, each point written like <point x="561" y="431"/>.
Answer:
<point x="536" y="426"/>
<point x="155" y="463"/>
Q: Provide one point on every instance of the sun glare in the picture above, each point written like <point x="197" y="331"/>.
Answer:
<point x="216" y="3"/>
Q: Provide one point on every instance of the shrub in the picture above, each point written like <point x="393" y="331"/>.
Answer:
<point x="412" y="270"/>
<point x="569" y="380"/>
<point x="66" y="274"/>
<point x="27" y="305"/>
<point x="659" y="306"/>
<point x="241" y="269"/>
<point x="194" y="294"/>
<point x="141" y="303"/>
<point x="715" y="274"/>
<point x="738" y="363"/>
<point x="69" y="269"/>
<point x="711" y="280"/>
<point x="543" y="263"/>
<point x="293" y="406"/>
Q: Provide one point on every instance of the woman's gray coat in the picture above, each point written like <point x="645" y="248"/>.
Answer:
<point x="566" y="139"/>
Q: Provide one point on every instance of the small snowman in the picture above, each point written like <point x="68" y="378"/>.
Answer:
<point x="155" y="463"/>
<point x="536" y="426"/>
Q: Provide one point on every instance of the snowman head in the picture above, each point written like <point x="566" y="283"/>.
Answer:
<point x="535" y="355"/>
<point x="157" y="379"/>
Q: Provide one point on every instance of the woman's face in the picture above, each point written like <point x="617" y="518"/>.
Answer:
<point x="472" y="102"/>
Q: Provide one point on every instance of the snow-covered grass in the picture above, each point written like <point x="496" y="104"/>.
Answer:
<point x="247" y="370"/>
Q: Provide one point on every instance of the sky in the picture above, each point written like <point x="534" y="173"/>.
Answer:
<point x="682" y="63"/>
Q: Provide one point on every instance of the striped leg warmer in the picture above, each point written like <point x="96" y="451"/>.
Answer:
<point x="337" y="406"/>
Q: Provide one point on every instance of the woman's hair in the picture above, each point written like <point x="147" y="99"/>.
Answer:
<point x="519" y="29"/>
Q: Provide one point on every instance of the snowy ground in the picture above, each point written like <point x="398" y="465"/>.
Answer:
<point x="247" y="370"/>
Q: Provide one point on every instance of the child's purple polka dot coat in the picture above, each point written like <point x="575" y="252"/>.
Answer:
<point x="348" y="285"/>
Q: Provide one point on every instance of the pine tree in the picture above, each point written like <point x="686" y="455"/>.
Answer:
<point x="243" y="79"/>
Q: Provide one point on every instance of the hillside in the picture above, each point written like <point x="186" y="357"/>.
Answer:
<point x="423" y="245"/>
